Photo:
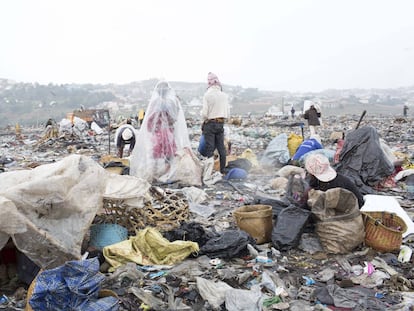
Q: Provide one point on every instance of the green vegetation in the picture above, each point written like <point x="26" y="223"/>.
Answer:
<point x="26" y="103"/>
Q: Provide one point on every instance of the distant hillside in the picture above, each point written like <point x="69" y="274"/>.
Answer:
<point x="33" y="103"/>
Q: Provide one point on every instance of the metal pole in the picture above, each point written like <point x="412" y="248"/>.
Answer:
<point x="360" y="119"/>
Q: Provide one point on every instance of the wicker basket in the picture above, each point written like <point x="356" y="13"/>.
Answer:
<point x="383" y="231"/>
<point x="166" y="211"/>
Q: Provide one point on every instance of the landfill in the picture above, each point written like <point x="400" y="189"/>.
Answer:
<point x="77" y="232"/>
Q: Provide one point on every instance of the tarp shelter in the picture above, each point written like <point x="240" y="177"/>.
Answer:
<point x="363" y="159"/>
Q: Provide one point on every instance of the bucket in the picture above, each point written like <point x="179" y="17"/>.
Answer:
<point x="256" y="220"/>
<point x="107" y="234"/>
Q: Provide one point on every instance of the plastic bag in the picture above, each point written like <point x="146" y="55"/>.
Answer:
<point x="288" y="227"/>
<point x="229" y="244"/>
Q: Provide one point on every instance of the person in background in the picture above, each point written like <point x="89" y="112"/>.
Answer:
<point x="125" y="135"/>
<point x="215" y="112"/>
<point x="51" y="130"/>
<point x="312" y="115"/>
<point x="321" y="176"/>
<point x="405" y="110"/>
<point x="292" y="111"/>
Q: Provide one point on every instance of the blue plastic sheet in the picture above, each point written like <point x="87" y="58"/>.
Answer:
<point x="73" y="286"/>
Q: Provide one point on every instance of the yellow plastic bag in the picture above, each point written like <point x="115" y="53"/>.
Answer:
<point x="294" y="142"/>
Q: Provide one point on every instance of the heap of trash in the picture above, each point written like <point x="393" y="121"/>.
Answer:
<point x="77" y="232"/>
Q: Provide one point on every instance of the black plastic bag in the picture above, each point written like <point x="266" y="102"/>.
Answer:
<point x="191" y="231"/>
<point x="229" y="244"/>
<point x="288" y="227"/>
<point x="277" y="205"/>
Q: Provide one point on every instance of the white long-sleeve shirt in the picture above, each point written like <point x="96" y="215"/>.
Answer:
<point x="215" y="104"/>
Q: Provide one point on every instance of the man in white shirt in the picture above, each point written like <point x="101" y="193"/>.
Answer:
<point x="214" y="114"/>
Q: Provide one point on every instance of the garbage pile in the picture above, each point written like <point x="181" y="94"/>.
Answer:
<point x="77" y="232"/>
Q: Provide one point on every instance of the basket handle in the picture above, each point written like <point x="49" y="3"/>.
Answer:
<point x="377" y="222"/>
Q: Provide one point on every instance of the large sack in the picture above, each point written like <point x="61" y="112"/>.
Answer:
<point x="276" y="153"/>
<point x="339" y="222"/>
<point x="48" y="210"/>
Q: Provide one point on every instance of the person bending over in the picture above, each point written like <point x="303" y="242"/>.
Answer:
<point x="321" y="176"/>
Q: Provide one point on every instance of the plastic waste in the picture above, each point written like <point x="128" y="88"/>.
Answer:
<point x="215" y="262"/>
<point x="219" y="195"/>
<point x="157" y="274"/>
<point x="410" y="184"/>
<point x="236" y="173"/>
<point x="275" y="252"/>
<point x="369" y="268"/>
<point x="3" y="300"/>
<point x="263" y="259"/>
<point x="252" y="251"/>
<point x="405" y="254"/>
<point x="309" y="281"/>
<point x="357" y="270"/>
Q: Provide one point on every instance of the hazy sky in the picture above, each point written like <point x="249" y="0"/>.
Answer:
<point x="293" y="45"/>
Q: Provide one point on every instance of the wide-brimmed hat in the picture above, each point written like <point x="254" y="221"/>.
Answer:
<point x="318" y="165"/>
<point x="127" y="134"/>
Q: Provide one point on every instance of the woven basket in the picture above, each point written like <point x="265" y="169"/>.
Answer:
<point x="166" y="211"/>
<point x="383" y="231"/>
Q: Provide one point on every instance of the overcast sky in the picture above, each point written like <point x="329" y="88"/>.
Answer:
<point x="292" y="45"/>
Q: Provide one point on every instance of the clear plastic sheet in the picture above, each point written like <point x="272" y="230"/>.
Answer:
<point x="163" y="133"/>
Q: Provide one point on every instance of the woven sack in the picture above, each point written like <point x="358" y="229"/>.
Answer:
<point x="256" y="220"/>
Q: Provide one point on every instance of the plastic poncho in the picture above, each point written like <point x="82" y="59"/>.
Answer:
<point x="162" y="135"/>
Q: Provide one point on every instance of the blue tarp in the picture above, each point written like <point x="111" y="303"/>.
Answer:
<point x="73" y="286"/>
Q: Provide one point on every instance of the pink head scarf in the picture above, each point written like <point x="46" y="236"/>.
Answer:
<point x="212" y="79"/>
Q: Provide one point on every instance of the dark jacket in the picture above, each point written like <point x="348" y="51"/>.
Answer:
<point x="120" y="142"/>
<point x="312" y="115"/>
<point x="340" y="181"/>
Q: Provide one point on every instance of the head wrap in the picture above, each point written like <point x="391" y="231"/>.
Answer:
<point x="212" y="79"/>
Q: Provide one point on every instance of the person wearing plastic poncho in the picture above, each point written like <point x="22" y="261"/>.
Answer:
<point x="163" y="133"/>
